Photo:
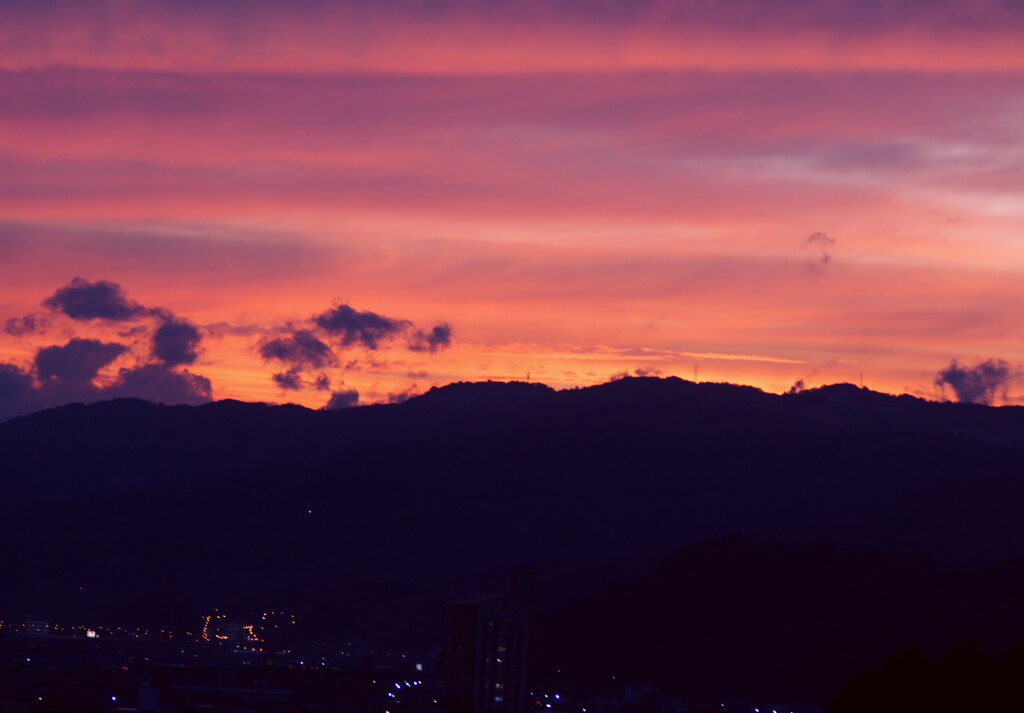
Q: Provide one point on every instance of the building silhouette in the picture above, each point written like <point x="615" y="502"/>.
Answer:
<point x="486" y="656"/>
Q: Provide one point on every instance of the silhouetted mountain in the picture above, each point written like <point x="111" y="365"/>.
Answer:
<point x="967" y="678"/>
<point x="371" y="517"/>
<point x="736" y="618"/>
<point x="125" y="444"/>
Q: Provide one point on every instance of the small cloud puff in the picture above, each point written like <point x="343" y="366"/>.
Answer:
<point x="345" y="398"/>
<point x="978" y="384"/>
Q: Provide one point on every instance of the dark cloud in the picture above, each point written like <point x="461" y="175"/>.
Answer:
<point x="647" y="371"/>
<point x="176" y="342"/>
<point x="818" y="244"/>
<point x="314" y="345"/>
<point x="78" y="360"/>
<point x="153" y="382"/>
<point x="345" y="398"/>
<point x="84" y="300"/>
<point x="290" y="380"/>
<point x="639" y="371"/>
<point x="17" y="392"/>
<point x="302" y="348"/>
<point x="56" y="392"/>
<point x="978" y="384"/>
<point x="397" y="397"/>
<point x="63" y="374"/>
<point x="13" y="382"/>
<point x="354" y="327"/>
<point x="157" y="383"/>
<point x="439" y="337"/>
<point x="29" y="324"/>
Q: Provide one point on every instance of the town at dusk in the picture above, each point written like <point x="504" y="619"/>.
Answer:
<point x="511" y="356"/>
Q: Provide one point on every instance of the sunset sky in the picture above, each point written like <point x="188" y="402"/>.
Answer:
<point x="379" y="197"/>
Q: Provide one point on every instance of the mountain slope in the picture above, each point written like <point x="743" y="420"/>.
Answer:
<point x="738" y="618"/>
<point x="372" y="517"/>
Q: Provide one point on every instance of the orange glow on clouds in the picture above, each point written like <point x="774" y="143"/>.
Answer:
<point x="578" y="190"/>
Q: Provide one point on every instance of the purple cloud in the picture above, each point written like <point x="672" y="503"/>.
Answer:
<point x="176" y="342"/>
<point x="29" y="324"/>
<point x="290" y="380"/>
<point x="976" y="384"/>
<point x="83" y="300"/>
<point x="302" y="348"/>
<point x="157" y="383"/>
<point x="78" y="360"/>
<point x="439" y="337"/>
<point x="354" y="327"/>
<point x="345" y="398"/>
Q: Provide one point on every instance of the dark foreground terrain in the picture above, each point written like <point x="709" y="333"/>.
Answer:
<point x="367" y="520"/>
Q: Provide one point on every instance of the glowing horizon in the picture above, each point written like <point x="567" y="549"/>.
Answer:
<point x="772" y="192"/>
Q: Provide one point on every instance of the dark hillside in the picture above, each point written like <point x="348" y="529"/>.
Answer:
<point x="737" y="618"/>
<point x="372" y="517"/>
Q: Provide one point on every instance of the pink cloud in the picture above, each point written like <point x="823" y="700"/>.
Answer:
<point x="624" y="175"/>
<point x="464" y="37"/>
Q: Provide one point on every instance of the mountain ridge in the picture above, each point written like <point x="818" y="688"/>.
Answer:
<point x="100" y="429"/>
<point x="414" y="503"/>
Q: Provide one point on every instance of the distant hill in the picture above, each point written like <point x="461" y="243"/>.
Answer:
<point x="739" y="618"/>
<point x="126" y="444"/>
<point x="372" y="517"/>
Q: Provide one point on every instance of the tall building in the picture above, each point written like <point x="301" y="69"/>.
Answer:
<point x="485" y="660"/>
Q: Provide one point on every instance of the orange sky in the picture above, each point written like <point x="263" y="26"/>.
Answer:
<point x="577" y="189"/>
